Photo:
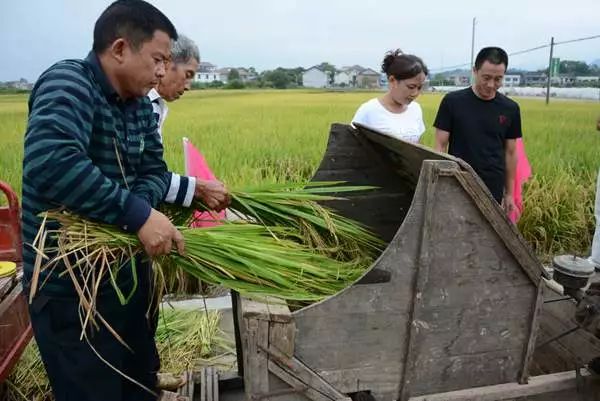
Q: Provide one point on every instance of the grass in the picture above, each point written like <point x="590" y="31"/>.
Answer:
<point x="252" y="137"/>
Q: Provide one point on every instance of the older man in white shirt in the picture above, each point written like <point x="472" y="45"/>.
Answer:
<point x="185" y="58"/>
<point x="179" y="74"/>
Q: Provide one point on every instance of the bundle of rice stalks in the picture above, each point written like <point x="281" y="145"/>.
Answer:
<point x="187" y="339"/>
<point x="251" y="259"/>
<point x="184" y="338"/>
<point x="28" y="380"/>
<point x="300" y="207"/>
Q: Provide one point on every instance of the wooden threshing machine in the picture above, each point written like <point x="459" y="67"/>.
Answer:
<point x="449" y="311"/>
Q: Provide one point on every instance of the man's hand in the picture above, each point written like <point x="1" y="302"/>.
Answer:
<point x="158" y="234"/>
<point x="508" y="203"/>
<point x="213" y="193"/>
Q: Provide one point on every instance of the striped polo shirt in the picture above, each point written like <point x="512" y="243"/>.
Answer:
<point x="90" y="152"/>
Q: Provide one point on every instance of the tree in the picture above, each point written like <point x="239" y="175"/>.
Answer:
<point x="278" y="78"/>
<point x="233" y="75"/>
<point x="574" y="67"/>
<point x="235" y="84"/>
<point x="329" y="69"/>
<point x="216" y="84"/>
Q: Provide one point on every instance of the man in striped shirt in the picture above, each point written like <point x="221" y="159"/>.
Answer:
<point x="91" y="146"/>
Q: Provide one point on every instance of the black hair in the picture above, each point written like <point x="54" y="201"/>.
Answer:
<point x="134" y="20"/>
<point x="494" y="55"/>
<point x="402" y="66"/>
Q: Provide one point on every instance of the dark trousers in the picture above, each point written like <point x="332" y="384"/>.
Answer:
<point x="75" y="370"/>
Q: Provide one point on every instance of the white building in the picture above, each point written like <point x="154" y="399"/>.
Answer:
<point x="587" y="79"/>
<point x="368" y="78"/>
<point x="342" y="78"/>
<point x="353" y="72"/>
<point x="512" y="80"/>
<point x="314" y="77"/>
<point x="206" y="73"/>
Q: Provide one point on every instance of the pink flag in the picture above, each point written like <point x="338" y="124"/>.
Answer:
<point x="196" y="166"/>
<point x="521" y="176"/>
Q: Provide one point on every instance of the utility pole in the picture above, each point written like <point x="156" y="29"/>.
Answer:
<point x="473" y="47"/>
<point x="549" y="71"/>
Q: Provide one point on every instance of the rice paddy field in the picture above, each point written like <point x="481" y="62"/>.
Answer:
<point x="251" y="137"/>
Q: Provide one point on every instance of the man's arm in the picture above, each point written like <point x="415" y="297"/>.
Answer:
<point x="443" y="125"/>
<point x="182" y="190"/>
<point x="441" y="140"/>
<point x="510" y="155"/>
<point x="510" y="160"/>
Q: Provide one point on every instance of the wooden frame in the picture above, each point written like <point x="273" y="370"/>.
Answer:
<point x="456" y="291"/>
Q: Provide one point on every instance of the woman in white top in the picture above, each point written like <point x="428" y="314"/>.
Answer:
<point x="396" y="113"/>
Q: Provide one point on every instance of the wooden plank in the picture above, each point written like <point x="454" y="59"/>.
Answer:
<point x="422" y="275"/>
<point x="203" y="386"/>
<point x="537" y="309"/>
<point x="457" y="372"/>
<point x="283" y="336"/>
<point x="256" y="374"/>
<point x="467" y="293"/>
<point x="215" y="386"/>
<point x="538" y="385"/>
<point x="393" y="297"/>
<point x="296" y="384"/>
<point x="381" y="379"/>
<point x="209" y="371"/>
<point x="187" y="390"/>
<point x="461" y="326"/>
<point x="352" y="340"/>
<point x="303" y="373"/>
<point x="505" y="229"/>
<point x="253" y="309"/>
<point x="471" y="337"/>
<point x="278" y="310"/>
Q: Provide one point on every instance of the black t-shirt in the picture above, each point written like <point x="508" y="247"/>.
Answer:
<point x="478" y="130"/>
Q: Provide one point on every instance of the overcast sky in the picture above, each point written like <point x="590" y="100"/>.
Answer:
<point x="290" y="33"/>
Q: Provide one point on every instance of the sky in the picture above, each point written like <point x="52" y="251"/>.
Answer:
<point x="269" y="33"/>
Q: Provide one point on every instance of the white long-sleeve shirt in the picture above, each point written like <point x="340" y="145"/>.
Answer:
<point x="181" y="188"/>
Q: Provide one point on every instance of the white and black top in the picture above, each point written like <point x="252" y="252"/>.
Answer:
<point x="408" y="125"/>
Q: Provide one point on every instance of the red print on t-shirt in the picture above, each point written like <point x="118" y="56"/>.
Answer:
<point x="502" y="119"/>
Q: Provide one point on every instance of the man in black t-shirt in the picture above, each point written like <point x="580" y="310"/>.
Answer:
<point x="481" y="125"/>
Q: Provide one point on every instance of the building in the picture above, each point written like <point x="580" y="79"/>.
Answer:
<point x="353" y="72"/>
<point x="587" y="80"/>
<point x="21" y="84"/>
<point x="314" y="77"/>
<point x="535" y="79"/>
<point x="368" y="79"/>
<point x="206" y="73"/>
<point x="511" y="80"/>
<point x="342" y="78"/>
<point x="460" y="79"/>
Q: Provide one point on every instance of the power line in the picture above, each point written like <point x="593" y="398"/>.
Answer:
<point x="453" y="67"/>
<point x="577" y="40"/>
<point x="529" y="50"/>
